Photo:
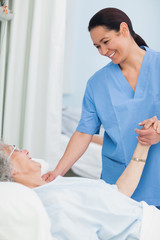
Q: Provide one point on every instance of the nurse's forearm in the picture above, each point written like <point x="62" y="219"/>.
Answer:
<point x="130" y="178"/>
<point x="76" y="147"/>
<point x="97" y="139"/>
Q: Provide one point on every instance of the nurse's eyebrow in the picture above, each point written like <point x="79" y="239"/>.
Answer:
<point x="103" y="39"/>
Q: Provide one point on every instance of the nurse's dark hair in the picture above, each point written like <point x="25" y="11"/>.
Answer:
<point x="111" y="18"/>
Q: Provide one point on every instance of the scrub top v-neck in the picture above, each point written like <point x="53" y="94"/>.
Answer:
<point x="141" y="82"/>
<point x="109" y="100"/>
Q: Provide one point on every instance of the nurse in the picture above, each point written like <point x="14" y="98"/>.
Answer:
<point x="119" y="96"/>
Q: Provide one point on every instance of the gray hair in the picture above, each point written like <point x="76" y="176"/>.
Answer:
<point x="5" y="166"/>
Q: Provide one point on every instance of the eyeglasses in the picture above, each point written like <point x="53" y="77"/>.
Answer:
<point x="14" y="149"/>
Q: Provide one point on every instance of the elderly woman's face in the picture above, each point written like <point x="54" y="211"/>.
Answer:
<point x="110" y="43"/>
<point x="20" y="159"/>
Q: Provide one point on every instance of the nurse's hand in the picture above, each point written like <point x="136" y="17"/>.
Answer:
<point x="150" y="133"/>
<point x="149" y="122"/>
<point x="50" y="176"/>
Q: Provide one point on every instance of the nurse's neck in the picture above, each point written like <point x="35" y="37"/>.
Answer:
<point x="133" y="60"/>
<point x="131" y="66"/>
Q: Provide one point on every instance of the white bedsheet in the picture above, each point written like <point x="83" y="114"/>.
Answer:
<point x="77" y="213"/>
<point x="150" y="223"/>
<point x="22" y="215"/>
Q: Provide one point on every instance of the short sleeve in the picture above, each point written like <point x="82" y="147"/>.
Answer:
<point x="89" y="122"/>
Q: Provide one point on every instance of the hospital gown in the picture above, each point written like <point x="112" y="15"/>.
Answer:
<point x="109" y="100"/>
<point x="85" y="209"/>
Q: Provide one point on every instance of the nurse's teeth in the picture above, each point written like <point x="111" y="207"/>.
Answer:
<point x="112" y="54"/>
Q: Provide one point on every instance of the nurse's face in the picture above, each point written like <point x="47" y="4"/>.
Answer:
<point x="112" y="44"/>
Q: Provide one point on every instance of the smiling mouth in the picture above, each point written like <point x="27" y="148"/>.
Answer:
<point x="110" y="56"/>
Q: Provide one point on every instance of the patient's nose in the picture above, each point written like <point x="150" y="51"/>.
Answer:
<point x="25" y="151"/>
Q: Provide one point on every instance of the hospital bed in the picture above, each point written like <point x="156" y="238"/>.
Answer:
<point x="22" y="215"/>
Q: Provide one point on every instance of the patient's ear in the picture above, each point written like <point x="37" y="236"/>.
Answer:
<point x="14" y="171"/>
<point x="15" y="175"/>
<point x="14" y="167"/>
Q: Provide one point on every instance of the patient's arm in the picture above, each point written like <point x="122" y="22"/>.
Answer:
<point x="129" y="179"/>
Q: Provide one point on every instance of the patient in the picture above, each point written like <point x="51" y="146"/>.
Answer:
<point x="86" y="209"/>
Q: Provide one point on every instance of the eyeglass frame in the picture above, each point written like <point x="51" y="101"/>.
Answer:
<point x="14" y="148"/>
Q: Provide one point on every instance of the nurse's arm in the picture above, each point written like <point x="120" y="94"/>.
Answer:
<point x="130" y="178"/>
<point x="97" y="139"/>
<point x="76" y="147"/>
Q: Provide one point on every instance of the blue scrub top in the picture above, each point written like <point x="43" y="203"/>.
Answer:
<point x="109" y="100"/>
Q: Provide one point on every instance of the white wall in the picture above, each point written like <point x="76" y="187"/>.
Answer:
<point x="83" y="58"/>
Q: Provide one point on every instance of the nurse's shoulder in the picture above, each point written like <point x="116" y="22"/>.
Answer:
<point x="153" y="53"/>
<point x="101" y="75"/>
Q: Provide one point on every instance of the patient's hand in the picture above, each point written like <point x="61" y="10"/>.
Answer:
<point x="50" y="176"/>
<point x="150" y="133"/>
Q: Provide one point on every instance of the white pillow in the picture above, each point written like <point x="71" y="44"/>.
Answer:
<point x="22" y="215"/>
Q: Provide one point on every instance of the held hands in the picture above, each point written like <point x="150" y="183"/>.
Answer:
<point x="149" y="134"/>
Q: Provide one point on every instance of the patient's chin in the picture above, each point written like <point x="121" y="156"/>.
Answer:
<point x="44" y="165"/>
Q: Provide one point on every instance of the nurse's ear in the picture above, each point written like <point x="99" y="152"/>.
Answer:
<point x="124" y="30"/>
